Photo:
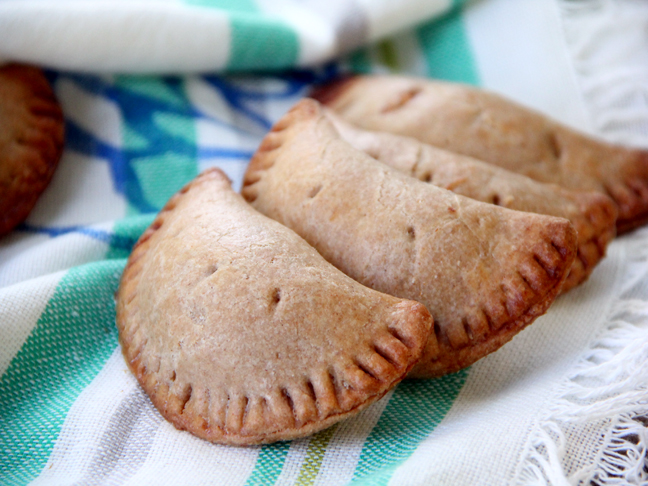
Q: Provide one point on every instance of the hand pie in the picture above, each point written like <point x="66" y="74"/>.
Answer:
<point x="484" y="272"/>
<point x="242" y="334"/>
<point x="31" y="141"/>
<point x="490" y="128"/>
<point x="592" y="214"/>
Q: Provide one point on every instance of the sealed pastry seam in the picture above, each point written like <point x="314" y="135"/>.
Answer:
<point x="592" y="214"/>
<point x="483" y="272"/>
<point x="218" y="320"/>
<point x="486" y="126"/>
<point x="31" y="140"/>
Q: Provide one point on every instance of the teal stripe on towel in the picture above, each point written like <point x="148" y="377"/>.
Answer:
<point x="261" y="41"/>
<point x="446" y="49"/>
<point x="73" y="339"/>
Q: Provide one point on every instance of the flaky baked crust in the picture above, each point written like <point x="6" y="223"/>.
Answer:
<point x="241" y="333"/>
<point x="498" y="131"/>
<point x="484" y="272"/>
<point x="31" y="140"/>
<point x="592" y="214"/>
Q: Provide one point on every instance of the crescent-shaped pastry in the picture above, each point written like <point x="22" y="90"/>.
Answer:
<point x="31" y="140"/>
<point x="498" y="131"/>
<point x="592" y="214"/>
<point x="484" y="272"/>
<point x="241" y="333"/>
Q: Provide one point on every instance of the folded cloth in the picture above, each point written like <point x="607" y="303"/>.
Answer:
<point x="564" y="403"/>
<point x="165" y="36"/>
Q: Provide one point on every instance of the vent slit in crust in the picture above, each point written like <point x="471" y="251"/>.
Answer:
<point x="404" y="98"/>
<point x="275" y="298"/>
<point x="211" y="269"/>
<point x="554" y="145"/>
<point x="315" y="191"/>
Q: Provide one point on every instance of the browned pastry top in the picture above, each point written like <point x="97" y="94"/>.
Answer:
<point x="241" y="333"/>
<point x="483" y="271"/>
<point x="31" y="140"/>
<point x="488" y="127"/>
<point x="593" y="214"/>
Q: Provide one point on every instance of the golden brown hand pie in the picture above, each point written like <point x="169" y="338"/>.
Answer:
<point x="484" y="272"/>
<point x="490" y="128"/>
<point x="241" y="333"/>
<point x="31" y="140"/>
<point x="592" y="214"/>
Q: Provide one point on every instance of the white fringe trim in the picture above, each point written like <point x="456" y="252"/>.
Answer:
<point x="607" y="42"/>
<point x="595" y="432"/>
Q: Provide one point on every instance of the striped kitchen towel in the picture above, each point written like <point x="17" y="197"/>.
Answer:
<point x="566" y="402"/>
<point x="166" y="36"/>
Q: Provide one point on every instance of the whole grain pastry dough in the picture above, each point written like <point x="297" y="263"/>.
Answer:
<point x="241" y="333"/>
<point x="31" y="140"/>
<point x="498" y="131"/>
<point x="592" y="214"/>
<point x="484" y="272"/>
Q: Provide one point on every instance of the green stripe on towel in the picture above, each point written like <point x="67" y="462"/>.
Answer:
<point x="414" y="411"/>
<point x="125" y="234"/>
<point x="314" y="456"/>
<point x="69" y="346"/>
<point x="261" y="41"/>
<point x="228" y="5"/>
<point x="159" y="139"/>
<point x="269" y="464"/>
<point x="446" y="49"/>
<point x="360" y="62"/>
